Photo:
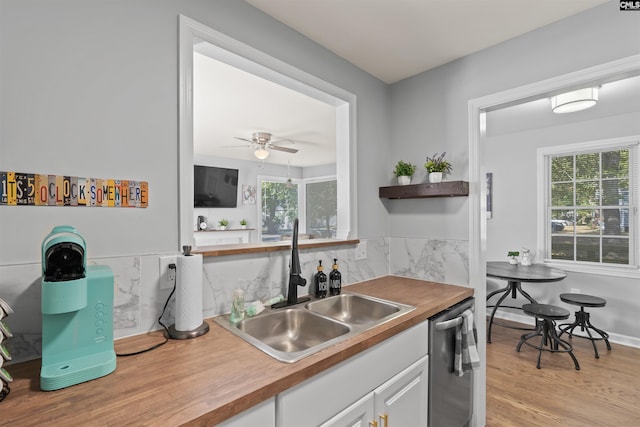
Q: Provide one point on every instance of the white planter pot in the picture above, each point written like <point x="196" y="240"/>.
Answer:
<point x="435" y="177"/>
<point x="513" y="260"/>
<point x="404" y="180"/>
<point x="244" y="227"/>
<point x="223" y="227"/>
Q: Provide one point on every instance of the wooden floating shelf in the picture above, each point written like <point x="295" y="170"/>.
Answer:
<point x="250" y="248"/>
<point x="421" y="191"/>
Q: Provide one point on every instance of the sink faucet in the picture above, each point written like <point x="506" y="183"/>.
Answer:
<point x="295" y="279"/>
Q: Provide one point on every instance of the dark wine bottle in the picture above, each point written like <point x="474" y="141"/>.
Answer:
<point x="320" y="282"/>
<point x="335" y="279"/>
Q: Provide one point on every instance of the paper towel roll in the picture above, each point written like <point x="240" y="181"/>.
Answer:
<point x="189" y="292"/>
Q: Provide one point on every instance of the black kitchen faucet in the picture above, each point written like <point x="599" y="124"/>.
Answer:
<point x="295" y="279"/>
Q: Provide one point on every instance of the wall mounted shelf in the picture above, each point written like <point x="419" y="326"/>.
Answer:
<point x="420" y="191"/>
<point x="222" y="237"/>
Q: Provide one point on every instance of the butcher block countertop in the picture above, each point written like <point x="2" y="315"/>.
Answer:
<point x="206" y="380"/>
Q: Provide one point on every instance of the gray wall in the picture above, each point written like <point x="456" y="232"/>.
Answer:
<point x="429" y="111"/>
<point x="90" y="88"/>
<point x="429" y="114"/>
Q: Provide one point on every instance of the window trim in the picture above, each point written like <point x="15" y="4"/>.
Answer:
<point x="632" y="142"/>
<point x="277" y="71"/>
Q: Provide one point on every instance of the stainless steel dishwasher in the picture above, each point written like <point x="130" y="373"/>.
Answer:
<point x="450" y="396"/>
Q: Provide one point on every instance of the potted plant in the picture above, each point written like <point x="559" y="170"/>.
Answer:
<point x="437" y="166"/>
<point x="243" y="224"/>
<point x="404" y="171"/>
<point x="223" y="224"/>
<point x="513" y="257"/>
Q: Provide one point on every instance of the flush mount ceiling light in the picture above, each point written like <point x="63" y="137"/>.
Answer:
<point x="577" y="100"/>
<point x="261" y="153"/>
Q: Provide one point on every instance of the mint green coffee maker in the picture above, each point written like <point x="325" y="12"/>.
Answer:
<point x="77" y="313"/>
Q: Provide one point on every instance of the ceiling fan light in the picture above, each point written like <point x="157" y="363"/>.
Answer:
<point x="577" y="100"/>
<point x="261" y="153"/>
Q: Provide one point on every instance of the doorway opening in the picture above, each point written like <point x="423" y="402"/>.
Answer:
<point x="477" y="110"/>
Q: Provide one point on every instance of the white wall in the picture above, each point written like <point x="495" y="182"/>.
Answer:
<point x="511" y="157"/>
<point x="248" y="172"/>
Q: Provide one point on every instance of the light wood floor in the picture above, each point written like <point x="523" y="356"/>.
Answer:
<point x="604" y="392"/>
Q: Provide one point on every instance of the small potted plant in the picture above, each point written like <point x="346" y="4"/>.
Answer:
<point x="404" y="171"/>
<point x="243" y="224"/>
<point x="437" y="166"/>
<point x="513" y="257"/>
<point x="223" y="224"/>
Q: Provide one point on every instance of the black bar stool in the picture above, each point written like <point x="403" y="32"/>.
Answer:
<point x="582" y="319"/>
<point x="546" y="316"/>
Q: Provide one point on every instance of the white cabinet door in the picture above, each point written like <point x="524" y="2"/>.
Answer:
<point x="403" y="399"/>
<point x="357" y="415"/>
<point x="263" y="415"/>
<point x="338" y="387"/>
<point x="399" y="402"/>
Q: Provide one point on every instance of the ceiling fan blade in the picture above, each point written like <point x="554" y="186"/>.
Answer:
<point x="285" y="149"/>
<point x="283" y="141"/>
<point x="244" y="139"/>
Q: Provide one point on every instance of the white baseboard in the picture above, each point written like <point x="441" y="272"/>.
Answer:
<point x="626" y="340"/>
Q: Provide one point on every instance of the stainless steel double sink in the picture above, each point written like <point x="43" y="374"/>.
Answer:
<point x="290" y="334"/>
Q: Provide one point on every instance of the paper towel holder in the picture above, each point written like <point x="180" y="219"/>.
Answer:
<point x="185" y="335"/>
<point x="174" y="334"/>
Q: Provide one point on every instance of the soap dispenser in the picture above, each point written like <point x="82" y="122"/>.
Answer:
<point x="335" y="279"/>
<point x="320" y="280"/>
<point x="237" y="306"/>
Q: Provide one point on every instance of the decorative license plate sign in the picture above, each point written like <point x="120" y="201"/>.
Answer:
<point x="30" y="189"/>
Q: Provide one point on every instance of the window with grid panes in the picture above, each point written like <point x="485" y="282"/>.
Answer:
<point x="312" y="200"/>
<point x="590" y="214"/>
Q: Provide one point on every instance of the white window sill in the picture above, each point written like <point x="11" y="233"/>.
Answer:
<point x="622" y="271"/>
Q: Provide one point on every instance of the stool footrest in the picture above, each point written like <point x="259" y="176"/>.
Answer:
<point x="546" y="330"/>
<point x="582" y="320"/>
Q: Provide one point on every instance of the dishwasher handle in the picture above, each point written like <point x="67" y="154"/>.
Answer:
<point x="448" y="324"/>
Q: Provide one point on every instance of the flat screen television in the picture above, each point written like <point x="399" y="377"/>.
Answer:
<point x="215" y="187"/>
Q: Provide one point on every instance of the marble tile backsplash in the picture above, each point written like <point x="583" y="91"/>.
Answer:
<point x="444" y="261"/>
<point x="139" y="299"/>
<point x="20" y="287"/>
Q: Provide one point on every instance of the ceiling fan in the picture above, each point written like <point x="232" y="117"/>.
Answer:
<point x="262" y="141"/>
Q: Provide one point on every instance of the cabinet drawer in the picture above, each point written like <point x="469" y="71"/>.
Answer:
<point x="263" y="415"/>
